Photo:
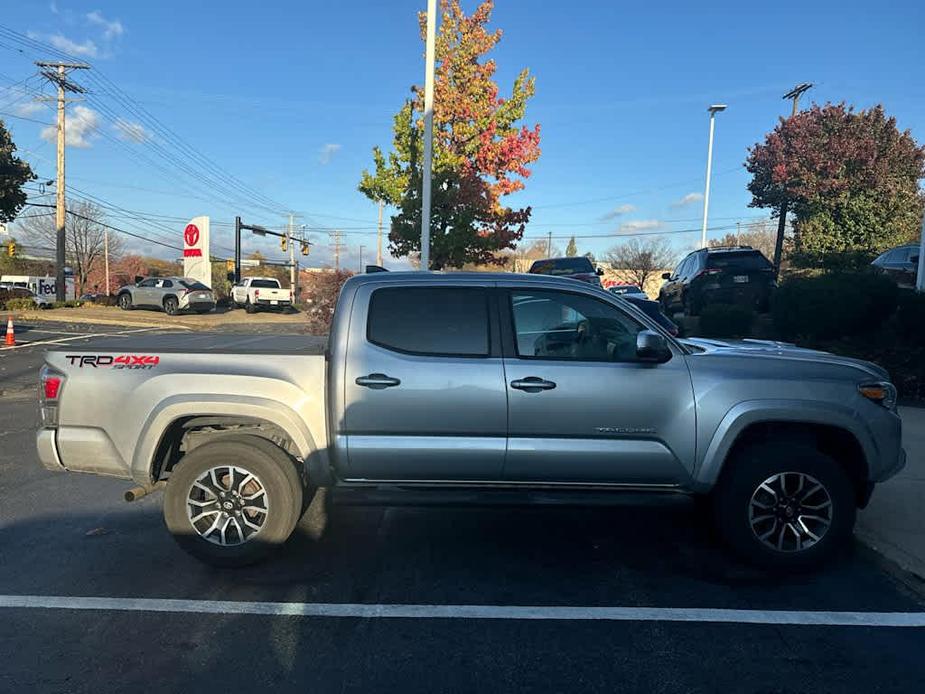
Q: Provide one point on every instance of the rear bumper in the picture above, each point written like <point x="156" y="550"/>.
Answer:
<point x="743" y="295"/>
<point x="47" y="449"/>
<point x="268" y="303"/>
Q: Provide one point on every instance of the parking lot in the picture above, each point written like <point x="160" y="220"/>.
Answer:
<point x="390" y="592"/>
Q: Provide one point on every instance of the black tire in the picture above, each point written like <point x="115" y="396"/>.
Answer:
<point x="275" y="471"/>
<point x="732" y="505"/>
<point x="249" y="307"/>
<point x="125" y="301"/>
<point x="171" y="306"/>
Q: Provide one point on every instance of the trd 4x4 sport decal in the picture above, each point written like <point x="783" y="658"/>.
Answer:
<point x="122" y="361"/>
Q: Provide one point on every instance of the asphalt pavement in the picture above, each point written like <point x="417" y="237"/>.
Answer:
<point x="654" y="604"/>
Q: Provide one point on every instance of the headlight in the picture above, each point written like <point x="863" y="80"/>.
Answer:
<point x="881" y="392"/>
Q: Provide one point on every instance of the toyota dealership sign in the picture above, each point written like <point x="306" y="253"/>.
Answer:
<point x="196" y="251"/>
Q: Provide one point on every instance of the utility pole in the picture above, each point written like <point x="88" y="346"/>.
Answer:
<point x="428" y="131"/>
<point x="379" y="236"/>
<point x="106" y="257"/>
<point x="57" y="73"/>
<point x="292" y="271"/>
<point x="361" y="258"/>
<point x="738" y="233"/>
<point x="714" y="109"/>
<point x="337" y="246"/>
<point x="549" y="245"/>
<point x="793" y="94"/>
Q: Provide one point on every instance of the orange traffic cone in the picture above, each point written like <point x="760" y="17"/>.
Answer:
<point x="10" y="335"/>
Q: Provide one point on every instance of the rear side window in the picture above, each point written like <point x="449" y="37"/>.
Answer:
<point x="439" y="321"/>
<point x="264" y="284"/>
<point x="562" y="266"/>
<point x="749" y="260"/>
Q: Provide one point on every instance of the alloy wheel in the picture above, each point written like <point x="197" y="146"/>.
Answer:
<point x="790" y="511"/>
<point x="227" y="505"/>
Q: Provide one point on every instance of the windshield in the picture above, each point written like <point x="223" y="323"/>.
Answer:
<point x="264" y="284"/>
<point x="562" y="266"/>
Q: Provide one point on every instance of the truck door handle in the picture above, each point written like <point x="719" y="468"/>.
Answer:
<point x="377" y="381"/>
<point x="532" y="384"/>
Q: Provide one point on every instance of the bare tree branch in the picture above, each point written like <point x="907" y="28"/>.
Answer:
<point x="641" y="259"/>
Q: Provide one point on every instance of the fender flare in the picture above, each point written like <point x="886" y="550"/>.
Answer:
<point x="749" y="412"/>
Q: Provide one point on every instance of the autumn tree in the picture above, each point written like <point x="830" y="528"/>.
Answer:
<point x="642" y="259"/>
<point x="84" y="239"/>
<point x="571" y="250"/>
<point x="760" y="235"/>
<point x="849" y="178"/>
<point x="481" y="154"/>
<point x="14" y="173"/>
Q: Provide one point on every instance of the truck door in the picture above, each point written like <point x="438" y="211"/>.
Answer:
<point x="424" y="384"/>
<point x="581" y="407"/>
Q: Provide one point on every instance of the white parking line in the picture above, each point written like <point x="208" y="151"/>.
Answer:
<point x="80" y="336"/>
<point x="515" y="612"/>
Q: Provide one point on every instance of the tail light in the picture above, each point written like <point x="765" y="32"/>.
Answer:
<point x="52" y="382"/>
<point x="256" y="293"/>
<point x="708" y="272"/>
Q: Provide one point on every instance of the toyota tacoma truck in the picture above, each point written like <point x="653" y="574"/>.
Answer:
<point x="475" y="381"/>
<point x="255" y="293"/>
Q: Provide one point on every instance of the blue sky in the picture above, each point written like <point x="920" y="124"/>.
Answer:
<point x="290" y="97"/>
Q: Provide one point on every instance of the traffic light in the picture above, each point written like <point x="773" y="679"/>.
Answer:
<point x="284" y="243"/>
<point x="305" y="248"/>
<point x="11" y="249"/>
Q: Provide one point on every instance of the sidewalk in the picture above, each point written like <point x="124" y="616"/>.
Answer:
<point x="894" y="523"/>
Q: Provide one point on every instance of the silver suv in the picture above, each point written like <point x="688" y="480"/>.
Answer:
<point x="171" y="294"/>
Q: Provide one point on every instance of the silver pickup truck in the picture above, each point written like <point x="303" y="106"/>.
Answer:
<point x="476" y="381"/>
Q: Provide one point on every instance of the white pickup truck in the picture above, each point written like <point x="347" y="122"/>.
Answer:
<point x="260" y="292"/>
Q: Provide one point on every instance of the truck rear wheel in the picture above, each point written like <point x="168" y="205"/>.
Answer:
<point x="784" y="506"/>
<point x="233" y="501"/>
<point x="249" y="307"/>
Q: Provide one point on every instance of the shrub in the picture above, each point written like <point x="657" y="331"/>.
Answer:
<point x="910" y="317"/>
<point x="833" y="305"/>
<point x="726" y="320"/>
<point x="19" y="304"/>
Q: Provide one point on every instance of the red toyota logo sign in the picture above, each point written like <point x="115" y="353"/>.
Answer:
<point x="191" y="236"/>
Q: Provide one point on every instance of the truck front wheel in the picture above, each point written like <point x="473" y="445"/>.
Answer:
<point x="233" y="501"/>
<point x="784" y="506"/>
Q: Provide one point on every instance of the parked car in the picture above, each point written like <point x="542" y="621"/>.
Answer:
<point x="724" y="275"/>
<point x="654" y="311"/>
<point x="255" y="293"/>
<point x="12" y="292"/>
<point x="171" y="294"/>
<point x="434" y="381"/>
<point x="900" y="263"/>
<point x="627" y="290"/>
<point x="577" y="268"/>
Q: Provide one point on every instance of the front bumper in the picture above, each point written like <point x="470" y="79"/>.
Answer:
<point x="47" y="449"/>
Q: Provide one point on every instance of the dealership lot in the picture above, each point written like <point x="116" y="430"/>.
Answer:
<point x="628" y="594"/>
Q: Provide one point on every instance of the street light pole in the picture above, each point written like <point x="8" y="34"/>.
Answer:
<point x="714" y="109"/>
<point x="361" y="258"/>
<point x="428" y="131"/>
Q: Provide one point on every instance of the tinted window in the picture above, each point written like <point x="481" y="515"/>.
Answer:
<point x="147" y="283"/>
<point x="430" y="320"/>
<point x="562" y="266"/>
<point x="264" y="284"/>
<point x="564" y="326"/>
<point x="685" y="266"/>
<point x="747" y="260"/>
<point x="166" y="284"/>
<point x="193" y="285"/>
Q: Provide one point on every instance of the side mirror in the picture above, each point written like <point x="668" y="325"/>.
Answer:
<point x="599" y="272"/>
<point x="666" y="275"/>
<point x="652" y="347"/>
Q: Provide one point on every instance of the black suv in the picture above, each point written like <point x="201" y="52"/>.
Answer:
<point x="723" y="275"/>
<point x="578" y="268"/>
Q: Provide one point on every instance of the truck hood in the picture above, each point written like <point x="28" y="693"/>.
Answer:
<point x="771" y="349"/>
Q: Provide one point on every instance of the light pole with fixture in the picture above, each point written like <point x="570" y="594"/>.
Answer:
<point x="714" y="109"/>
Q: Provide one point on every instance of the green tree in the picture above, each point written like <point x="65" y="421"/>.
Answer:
<point x="480" y="152"/>
<point x="572" y="249"/>
<point x="851" y="179"/>
<point x="14" y="172"/>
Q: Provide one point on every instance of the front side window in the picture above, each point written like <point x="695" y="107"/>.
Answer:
<point x="572" y="327"/>
<point x="148" y="283"/>
<point x="436" y="321"/>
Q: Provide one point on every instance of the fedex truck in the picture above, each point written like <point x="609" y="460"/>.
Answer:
<point x="43" y="286"/>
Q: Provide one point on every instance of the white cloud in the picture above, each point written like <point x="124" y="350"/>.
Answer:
<point x="80" y="130"/>
<point x="618" y="211"/>
<point x="28" y="108"/>
<point x="53" y="6"/>
<point x="640" y="225"/>
<point x="112" y="28"/>
<point x="62" y="43"/>
<point x="130" y="132"/>
<point x="688" y="199"/>
<point x="327" y="153"/>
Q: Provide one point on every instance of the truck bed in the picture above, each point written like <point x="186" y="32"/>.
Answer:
<point x="212" y="343"/>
